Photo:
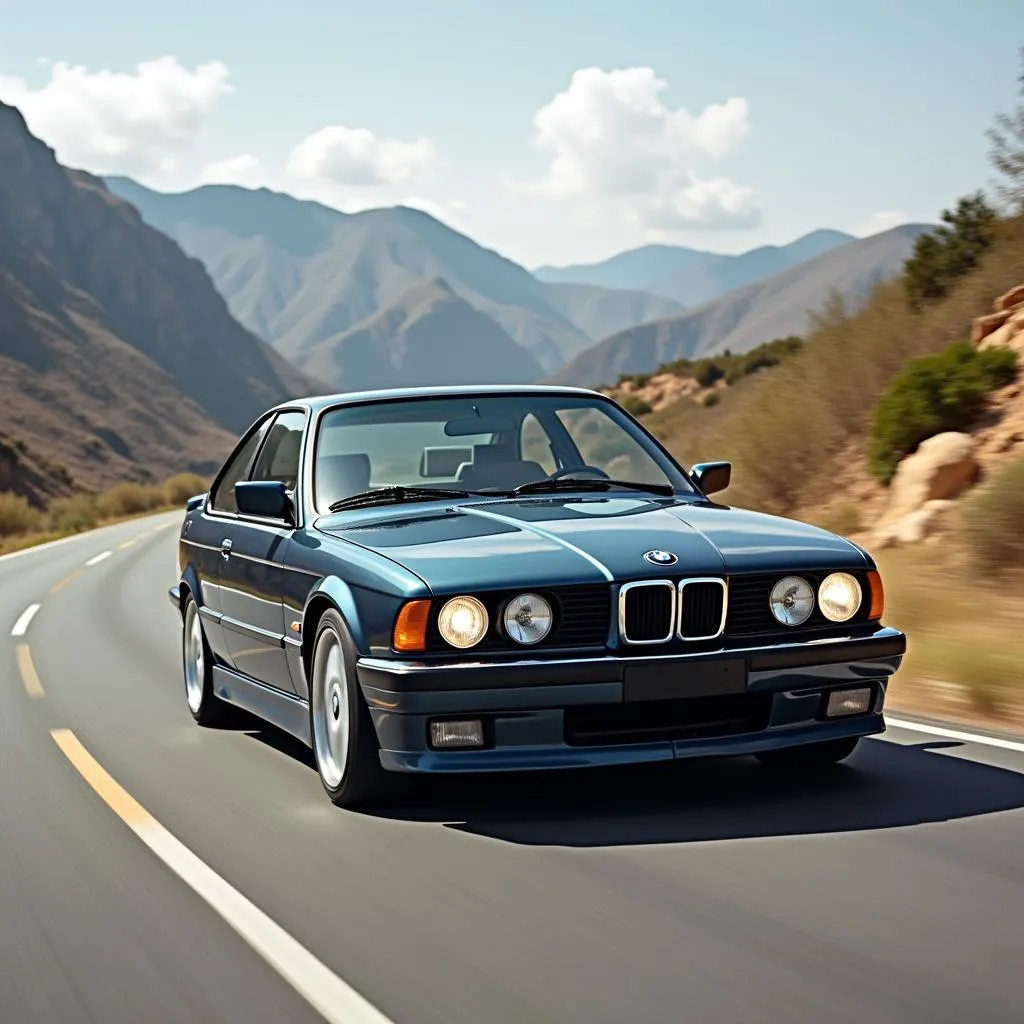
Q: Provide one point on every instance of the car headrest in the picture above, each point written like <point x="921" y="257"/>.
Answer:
<point x="338" y="476"/>
<point x="286" y="456"/>
<point x="491" y="454"/>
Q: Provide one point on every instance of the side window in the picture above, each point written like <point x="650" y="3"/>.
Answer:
<point x="223" y="497"/>
<point x="279" y="457"/>
<point x="535" y="445"/>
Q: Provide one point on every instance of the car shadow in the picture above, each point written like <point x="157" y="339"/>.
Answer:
<point x="883" y="785"/>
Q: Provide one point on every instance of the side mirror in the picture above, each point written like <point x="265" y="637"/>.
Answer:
<point x="711" y="477"/>
<point x="268" y="499"/>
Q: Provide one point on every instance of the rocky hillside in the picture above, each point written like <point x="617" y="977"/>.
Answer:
<point x="948" y="465"/>
<point x="742" y="319"/>
<point x="118" y="359"/>
<point x="299" y="273"/>
<point x="428" y="335"/>
<point x="701" y="380"/>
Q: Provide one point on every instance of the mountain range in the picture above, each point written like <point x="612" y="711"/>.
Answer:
<point x="118" y="358"/>
<point x="773" y="307"/>
<point x="301" y="274"/>
<point x="691" y="276"/>
<point x="358" y="299"/>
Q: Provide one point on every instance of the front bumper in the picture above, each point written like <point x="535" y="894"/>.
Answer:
<point x="557" y="713"/>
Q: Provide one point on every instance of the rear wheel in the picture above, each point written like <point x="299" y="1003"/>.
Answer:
<point x="344" y="741"/>
<point x="809" y="755"/>
<point x="197" y="665"/>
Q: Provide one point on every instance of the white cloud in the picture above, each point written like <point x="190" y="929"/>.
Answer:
<point x="243" y="169"/>
<point x="883" y="220"/>
<point x="112" y="122"/>
<point x="617" y="147"/>
<point x="355" y="156"/>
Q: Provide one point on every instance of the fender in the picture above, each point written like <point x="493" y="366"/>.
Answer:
<point x="339" y="594"/>
<point x="189" y="579"/>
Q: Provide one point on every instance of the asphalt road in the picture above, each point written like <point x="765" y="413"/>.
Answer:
<point x="893" y="891"/>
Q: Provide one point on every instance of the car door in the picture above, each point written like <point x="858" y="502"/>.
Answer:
<point x="207" y="532"/>
<point x="252" y="564"/>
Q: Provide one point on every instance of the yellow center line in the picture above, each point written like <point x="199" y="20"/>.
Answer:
<point x="29" y="676"/>
<point x="118" y="799"/>
<point x="64" y="582"/>
<point x="126" y="544"/>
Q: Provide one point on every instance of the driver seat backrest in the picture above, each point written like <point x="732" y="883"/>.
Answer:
<point x="339" y="476"/>
<point x="496" y="465"/>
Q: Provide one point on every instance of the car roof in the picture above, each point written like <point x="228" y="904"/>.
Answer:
<point x="317" y="403"/>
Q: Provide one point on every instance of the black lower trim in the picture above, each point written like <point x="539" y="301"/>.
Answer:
<point x="399" y="676"/>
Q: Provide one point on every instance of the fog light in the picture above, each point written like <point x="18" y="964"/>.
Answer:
<point x="848" y="702"/>
<point x="446" y="735"/>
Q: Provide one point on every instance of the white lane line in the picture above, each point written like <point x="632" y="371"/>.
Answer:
<point x="335" y="1000"/>
<point x="96" y="559"/>
<point x="953" y="734"/>
<point x="21" y="626"/>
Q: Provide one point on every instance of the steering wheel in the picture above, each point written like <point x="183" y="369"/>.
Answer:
<point x="582" y="468"/>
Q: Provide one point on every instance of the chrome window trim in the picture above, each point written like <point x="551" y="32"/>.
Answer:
<point x="724" y="583"/>
<point x="625" y="589"/>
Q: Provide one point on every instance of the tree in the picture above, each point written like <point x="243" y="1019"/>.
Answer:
<point x="1007" y="152"/>
<point x="950" y="251"/>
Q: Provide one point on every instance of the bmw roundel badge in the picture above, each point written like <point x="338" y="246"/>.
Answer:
<point x="660" y="557"/>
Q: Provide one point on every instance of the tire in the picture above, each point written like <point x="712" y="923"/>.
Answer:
<point x="197" y="668"/>
<point x="810" y="755"/>
<point x="345" y="744"/>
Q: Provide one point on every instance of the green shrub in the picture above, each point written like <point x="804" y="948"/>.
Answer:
<point x="934" y="393"/>
<point x="179" y="488"/>
<point x="706" y="372"/>
<point x="993" y="521"/>
<point x="712" y="398"/>
<point x="635" y="405"/>
<point x="73" y="514"/>
<point x="17" y="515"/>
<point x="950" y="251"/>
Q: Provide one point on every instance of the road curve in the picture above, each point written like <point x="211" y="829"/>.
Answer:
<point x="154" y="871"/>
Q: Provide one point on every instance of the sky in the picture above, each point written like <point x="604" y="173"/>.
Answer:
<point x="553" y="131"/>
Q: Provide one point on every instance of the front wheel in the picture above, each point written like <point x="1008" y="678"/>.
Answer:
<point x="344" y="741"/>
<point x="810" y="755"/>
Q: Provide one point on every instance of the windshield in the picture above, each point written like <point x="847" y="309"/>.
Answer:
<point x="489" y="443"/>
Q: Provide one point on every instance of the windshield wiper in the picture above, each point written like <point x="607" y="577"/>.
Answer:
<point x="395" y="495"/>
<point x="566" y="483"/>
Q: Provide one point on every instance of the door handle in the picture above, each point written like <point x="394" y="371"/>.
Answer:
<point x="225" y="548"/>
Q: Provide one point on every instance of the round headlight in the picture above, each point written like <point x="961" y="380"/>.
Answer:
<point x="792" y="601"/>
<point x="839" y="597"/>
<point x="462" y="621"/>
<point x="528" y="618"/>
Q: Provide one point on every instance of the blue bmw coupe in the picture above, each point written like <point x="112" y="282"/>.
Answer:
<point x="476" y="579"/>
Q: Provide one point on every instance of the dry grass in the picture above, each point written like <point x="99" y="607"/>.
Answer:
<point x="22" y="525"/>
<point x="964" y="642"/>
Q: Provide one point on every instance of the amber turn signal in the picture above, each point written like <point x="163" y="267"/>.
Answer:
<point x="410" y="632"/>
<point x="877" y="595"/>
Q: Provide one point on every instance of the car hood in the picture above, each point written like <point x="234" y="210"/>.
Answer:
<point x="592" y="539"/>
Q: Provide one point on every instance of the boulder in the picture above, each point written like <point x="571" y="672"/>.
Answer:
<point x="1014" y="297"/>
<point x="983" y="326"/>
<point x="941" y="468"/>
<point x="914" y="527"/>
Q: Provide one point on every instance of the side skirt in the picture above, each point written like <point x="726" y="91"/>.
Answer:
<point x="286" y="711"/>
